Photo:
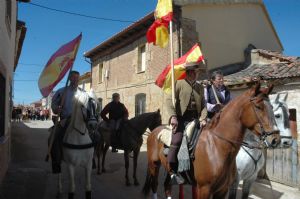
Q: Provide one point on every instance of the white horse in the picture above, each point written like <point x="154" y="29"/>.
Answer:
<point x="78" y="147"/>
<point x="250" y="160"/>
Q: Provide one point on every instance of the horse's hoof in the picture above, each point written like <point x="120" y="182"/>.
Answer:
<point x="88" y="195"/>
<point x="103" y="170"/>
<point x="71" y="196"/>
<point x="59" y="195"/>
<point x="136" y="183"/>
<point x="128" y="183"/>
<point x="99" y="172"/>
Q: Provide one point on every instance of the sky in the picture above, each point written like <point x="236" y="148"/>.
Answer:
<point x="47" y="30"/>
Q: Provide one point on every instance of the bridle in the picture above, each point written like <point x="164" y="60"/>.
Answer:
<point x="263" y="133"/>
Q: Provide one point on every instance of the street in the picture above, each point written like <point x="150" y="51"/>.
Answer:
<point x="30" y="177"/>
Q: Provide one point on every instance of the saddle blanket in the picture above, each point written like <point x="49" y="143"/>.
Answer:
<point x="165" y="135"/>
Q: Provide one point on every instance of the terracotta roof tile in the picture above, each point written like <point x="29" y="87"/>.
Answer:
<point x="287" y="67"/>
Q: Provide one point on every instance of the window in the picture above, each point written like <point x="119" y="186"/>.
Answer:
<point x="8" y="14"/>
<point x="2" y="105"/>
<point x="293" y="122"/>
<point x="100" y="73"/>
<point x="100" y="104"/>
<point x="141" y="59"/>
<point x="140" y="104"/>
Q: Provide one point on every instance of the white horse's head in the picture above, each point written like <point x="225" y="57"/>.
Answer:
<point x="89" y="104"/>
<point x="281" y="113"/>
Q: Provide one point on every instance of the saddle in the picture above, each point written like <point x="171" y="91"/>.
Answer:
<point x="191" y="133"/>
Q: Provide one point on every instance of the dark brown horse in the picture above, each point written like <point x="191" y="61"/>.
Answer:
<point x="216" y="149"/>
<point x="131" y="137"/>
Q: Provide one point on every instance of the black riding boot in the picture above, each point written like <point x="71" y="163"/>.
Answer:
<point x="176" y="178"/>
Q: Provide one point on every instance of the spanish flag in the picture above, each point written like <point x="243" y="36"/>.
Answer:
<point x="58" y="65"/>
<point x="158" y="33"/>
<point x="164" y="80"/>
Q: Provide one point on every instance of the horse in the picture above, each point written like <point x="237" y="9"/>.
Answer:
<point x="214" y="165"/>
<point x="131" y="138"/>
<point x="251" y="158"/>
<point x="78" y="147"/>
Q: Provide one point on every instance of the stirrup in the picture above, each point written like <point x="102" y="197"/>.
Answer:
<point x="176" y="179"/>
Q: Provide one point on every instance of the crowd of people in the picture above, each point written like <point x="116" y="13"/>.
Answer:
<point x="29" y="113"/>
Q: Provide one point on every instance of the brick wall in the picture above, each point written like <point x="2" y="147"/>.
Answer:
<point x="122" y="70"/>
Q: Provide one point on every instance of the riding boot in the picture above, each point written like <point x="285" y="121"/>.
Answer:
<point x="176" y="178"/>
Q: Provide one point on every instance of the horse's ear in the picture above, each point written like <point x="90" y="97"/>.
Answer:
<point x="158" y="111"/>
<point x="255" y="89"/>
<point x="277" y="99"/>
<point x="285" y="97"/>
<point x="270" y="88"/>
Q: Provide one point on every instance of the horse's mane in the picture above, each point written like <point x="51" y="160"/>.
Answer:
<point x="82" y="97"/>
<point x="215" y="120"/>
<point x="136" y="119"/>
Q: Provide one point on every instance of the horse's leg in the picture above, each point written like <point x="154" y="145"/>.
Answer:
<point x="72" y="181"/>
<point x="59" y="186"/>
<point x="246" y="187"/>
<point x="88" y="186"/>
<point x="135" y="158"/>
<point x="126" y="158"/>
<point x="203" y="192"/>
<point x="155" y="173"/>
<point x="99" y="152"/>
<point x="106" y="146"/>
<point x="168" y="187"/>
<point x="234" y="187"/>
<point x="220" y="195"/>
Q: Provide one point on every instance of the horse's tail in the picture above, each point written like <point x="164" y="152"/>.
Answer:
<point x="148" y="183"/>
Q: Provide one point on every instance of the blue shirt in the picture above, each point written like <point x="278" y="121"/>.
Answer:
<point x="68" y="101"/>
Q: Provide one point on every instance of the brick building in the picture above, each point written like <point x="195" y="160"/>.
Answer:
<point x="12" y="34"/>
<point x="127" y="64"/>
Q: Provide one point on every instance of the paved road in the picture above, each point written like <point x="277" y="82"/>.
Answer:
<point x="29" y="176"/>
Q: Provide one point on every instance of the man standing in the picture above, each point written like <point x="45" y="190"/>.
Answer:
<point x="117" y="113"/>
<point x="216" y="94"/>
<point x="62" y="103"/>
<point x="189" y="105"/>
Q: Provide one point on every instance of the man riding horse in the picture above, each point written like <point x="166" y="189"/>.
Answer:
<point x="117" y="113"/>
<point x="190" y="105"/>
<point x="62" y="103"/>
<point x="216" y="95"/>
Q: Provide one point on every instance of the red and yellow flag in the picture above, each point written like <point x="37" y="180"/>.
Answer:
<point x="164" y="80"/>
<point x="57" y="66"/>
<point x="158" y="32"/>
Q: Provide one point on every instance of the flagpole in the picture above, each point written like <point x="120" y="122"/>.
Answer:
<point x="172" y="63"/>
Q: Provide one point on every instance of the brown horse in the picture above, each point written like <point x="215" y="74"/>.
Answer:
<point x="216" y="149"/>
<point x="131" y="137"/>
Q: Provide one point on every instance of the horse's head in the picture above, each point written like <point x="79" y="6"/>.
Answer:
<point x="281" y="113"/>
<point x="88" y="103"/>
<point x="155" y="120"/>
<point x="258" y="115"/>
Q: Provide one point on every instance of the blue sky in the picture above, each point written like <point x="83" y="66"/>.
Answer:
<point x="48" y="30"/>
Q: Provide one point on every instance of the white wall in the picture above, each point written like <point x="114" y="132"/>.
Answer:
<point x="225" y="30"/>
<point x="7" y="52"/>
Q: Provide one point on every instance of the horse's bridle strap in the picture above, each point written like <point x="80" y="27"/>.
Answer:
<point x="78" y="147"/>
<point x="263" y="133"/>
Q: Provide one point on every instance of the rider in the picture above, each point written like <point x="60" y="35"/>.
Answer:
<point x="62" y="103"/>
<point x="117" y="113"/>
<point x="216" y="94"/>
<point x="190" y="105"/>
